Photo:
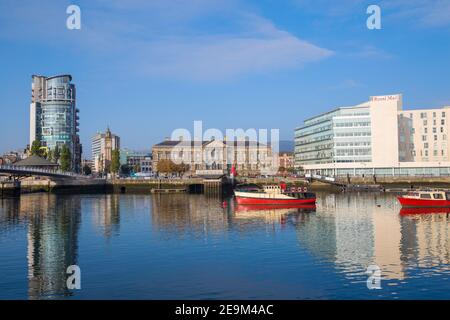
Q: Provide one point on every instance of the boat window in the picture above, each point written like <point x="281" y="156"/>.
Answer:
<point x="425" y="196"/>
<point x="438" y="196"/>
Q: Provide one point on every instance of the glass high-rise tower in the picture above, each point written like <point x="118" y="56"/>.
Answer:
<point x="54" y="116"/>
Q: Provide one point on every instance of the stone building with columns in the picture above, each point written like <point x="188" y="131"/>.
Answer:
<point x="250" y="158"/>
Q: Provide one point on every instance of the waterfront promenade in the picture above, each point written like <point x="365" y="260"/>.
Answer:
<point x="201" y="185"/>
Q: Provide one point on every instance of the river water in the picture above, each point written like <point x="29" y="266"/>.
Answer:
<point x="198" y="247"/>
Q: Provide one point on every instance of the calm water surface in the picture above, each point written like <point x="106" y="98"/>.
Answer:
<point x="192" y="247"/>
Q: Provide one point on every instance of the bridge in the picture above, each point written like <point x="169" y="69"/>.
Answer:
<point x="26" y="171"/>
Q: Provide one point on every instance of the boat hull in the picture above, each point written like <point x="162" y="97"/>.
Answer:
<point x="424" y="210"/>
<point x="251" y="207"/>
<point x="423" y="203"/>
<point x="273" y="201"/>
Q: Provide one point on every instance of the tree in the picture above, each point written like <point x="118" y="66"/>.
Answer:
<point x="66" y="163"/>
<point x="115" y="161"/>
<point x="36" y="148"/>
<point x="56" y="154"/>
<point x="180" y="168"/>
<point x="49" y="156"/>
<point x="166" y="166"/>
<point x="125" y="169"/>
<point x="87" y="170"/>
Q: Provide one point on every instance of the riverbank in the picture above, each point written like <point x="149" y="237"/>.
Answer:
<point x="197" y="185"/>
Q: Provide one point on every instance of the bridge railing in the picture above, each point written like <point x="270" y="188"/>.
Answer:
<point x="37" y="171"/>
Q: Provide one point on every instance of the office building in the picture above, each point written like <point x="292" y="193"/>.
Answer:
<point x="54" y="116"/>
<point x="377" y="137"/>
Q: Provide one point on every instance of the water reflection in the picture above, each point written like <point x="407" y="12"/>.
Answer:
<point x="53" y="224"/>
<point x="358" y="230"/>
<point x="344" y="232"/>
<point x="106" y="214"/>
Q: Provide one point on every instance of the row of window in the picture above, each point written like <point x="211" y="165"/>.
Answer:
<point x="425" y="130"/>
<point x="351" y="124"/>
<point x="423" y="115"/>
<point x="353" y="152"/>
<point x="435" y="137"/>
<point x="353" y="134"/>
<point x="353" y="144"/>
<point x="425" y="152"/>
<point x="425" y="122"/>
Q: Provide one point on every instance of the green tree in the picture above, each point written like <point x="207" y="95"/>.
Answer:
<point x="125" y="169"/>
<point x="115" y="161"/>
<point x="66" y="164"/>
<point x="49" y="155"/>
<point x="87" y="170"/>
<point x="36" y="148"/>
<point x="56" y="154"/>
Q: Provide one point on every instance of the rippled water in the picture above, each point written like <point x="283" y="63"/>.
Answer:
<point x="195" y="247"/>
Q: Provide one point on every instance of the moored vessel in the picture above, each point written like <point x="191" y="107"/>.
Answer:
<point x="426" y="199"/>
<point x="273" y="195"/>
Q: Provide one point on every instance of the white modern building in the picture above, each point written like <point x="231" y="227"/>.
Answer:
<point x="377" y="137"/>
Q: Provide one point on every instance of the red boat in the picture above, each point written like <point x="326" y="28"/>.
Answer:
<point x="273" y="195"/>
<point x="426" y="199"/>
<point x="258" y="207"/>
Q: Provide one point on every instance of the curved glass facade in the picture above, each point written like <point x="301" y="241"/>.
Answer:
<point x="56" y="114"/>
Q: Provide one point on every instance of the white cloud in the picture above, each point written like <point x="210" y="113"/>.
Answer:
<point x="261" y="48"/>
<point x="177" y="39"/>
<point x="427" y="13"/>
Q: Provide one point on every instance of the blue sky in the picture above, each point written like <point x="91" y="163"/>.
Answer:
<point x="148" y="67"/>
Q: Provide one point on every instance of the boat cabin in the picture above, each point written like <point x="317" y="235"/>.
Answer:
<point x="429" y="195"/>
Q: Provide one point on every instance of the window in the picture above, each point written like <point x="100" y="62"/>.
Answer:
<point x="444" y="137"/>
<point x="442" y="121"/>
<point x="435" y="137"/>
<point x="442" y="129"/>
<point x="438" y="196"/>
<point x="425" y="122"/>
<point x="425" y="130"/>
<point x="434" y="130"/>
<point x="424" y="138"/>
<point x="435" y="153"/>
<point x="425" y="145"/>
<point x="425" y="196"/>
<point x="434" y="122"/>
<point x="434" y="114"/>
<point x="443" y="114"/>
<point x="426" y="153"/>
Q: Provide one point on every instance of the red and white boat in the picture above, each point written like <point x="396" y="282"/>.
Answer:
<point x="273" y="195"/>
<point x="426" y="199"/>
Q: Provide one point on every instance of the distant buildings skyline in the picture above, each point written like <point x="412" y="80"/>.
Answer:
<point x="103" y="144"/>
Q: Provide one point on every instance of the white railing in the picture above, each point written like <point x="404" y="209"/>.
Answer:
<point x="37" y="171"/>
